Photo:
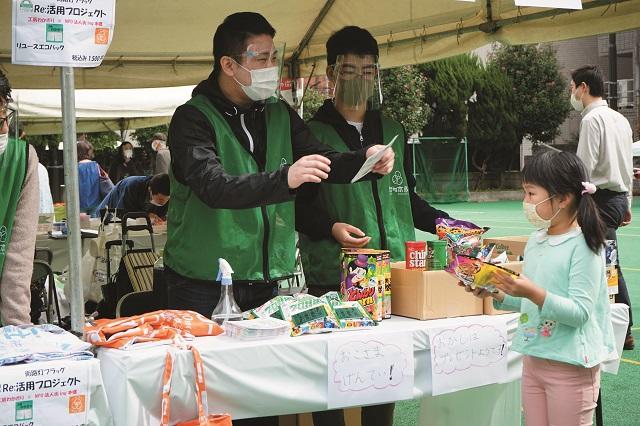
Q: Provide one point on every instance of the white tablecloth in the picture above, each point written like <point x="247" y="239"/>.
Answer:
<point x="252" y="379"/>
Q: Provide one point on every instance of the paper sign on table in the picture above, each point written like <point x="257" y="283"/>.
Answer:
<point x="53" y="393"/>
<point x="370" y="369"/>
<point x="558" y="4"/>
<point x="371" y="161"/>
<point x="471" y="353"/>
<point x="62" y="33"/>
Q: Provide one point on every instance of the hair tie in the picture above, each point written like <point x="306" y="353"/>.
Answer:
<point x="589" y="188"/>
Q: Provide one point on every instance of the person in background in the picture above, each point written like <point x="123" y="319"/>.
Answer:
<point x="378" y="214"/>
<point x="163" y="155"/>
<point x="605" y="147"/>
<point x="565" y="328"/>
<point x="140" y="194"/>
<point x="46" y="200"/>
<point x="123" y="165"/>
<point x="18" y="216"/>
<point x="90" y="175"/>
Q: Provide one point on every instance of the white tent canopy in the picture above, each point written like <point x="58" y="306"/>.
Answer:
<point x="168" y="42"/>
<point x="99" y="110"/>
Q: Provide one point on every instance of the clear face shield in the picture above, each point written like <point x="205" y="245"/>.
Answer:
<point x="259" y="69"/>
<point x="356" y="80"/>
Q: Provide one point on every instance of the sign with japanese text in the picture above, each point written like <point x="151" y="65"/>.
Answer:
<point x="367" y="369"/>
<point x="52" y="393"/>
<point x="69" y="33"/>
<point x="558" y="4"/>
<point x="470" y="354"/>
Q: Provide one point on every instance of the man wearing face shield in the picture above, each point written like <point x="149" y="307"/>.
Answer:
<point x="378" y="214"/>
<point x="605" y="148"/>
<point x="19" y="202"/>
<point x="238" y="156"/>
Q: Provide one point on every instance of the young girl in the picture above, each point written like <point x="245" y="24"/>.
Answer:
<point x="565" y="328"/>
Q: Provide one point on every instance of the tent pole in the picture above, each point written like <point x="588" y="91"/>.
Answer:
<point x="72" y="197"/>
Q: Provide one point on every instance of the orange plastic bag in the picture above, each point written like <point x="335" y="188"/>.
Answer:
<point x="203" y="419"/>
<point x="172" y="325"/>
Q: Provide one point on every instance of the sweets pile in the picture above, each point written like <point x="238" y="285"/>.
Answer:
<point x="306" y="314"/>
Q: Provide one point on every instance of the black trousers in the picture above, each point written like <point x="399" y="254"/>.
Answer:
<point x="202" y="297"/>
<point x="613" y="206"/>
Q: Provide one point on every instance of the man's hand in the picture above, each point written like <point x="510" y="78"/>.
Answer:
<point x="342" y="234"/>
<point x="385" y="165"/>
<point x="626" y="219"/>
<point x="311" y="168"/>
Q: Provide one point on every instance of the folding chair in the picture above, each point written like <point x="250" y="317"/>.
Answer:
<point x="44" y="299"/>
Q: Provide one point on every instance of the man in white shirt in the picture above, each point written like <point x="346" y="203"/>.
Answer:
<point x="605" y="148"/>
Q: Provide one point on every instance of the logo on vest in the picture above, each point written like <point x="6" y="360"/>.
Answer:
<point x="398" y="182"/>
<point x="283" y="162"/>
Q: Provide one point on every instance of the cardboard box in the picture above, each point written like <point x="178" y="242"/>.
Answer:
<point x="429" y="294"/>
<point x="514" y="246"/>
<point x="488" y="308"/>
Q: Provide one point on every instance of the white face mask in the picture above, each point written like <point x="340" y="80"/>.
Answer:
<point x="264" y="83"/>
<point x="4" y="139"/>
<point x="128" y="154"/>
<point x="531" y="213"/>
<point x="575" y="103"/>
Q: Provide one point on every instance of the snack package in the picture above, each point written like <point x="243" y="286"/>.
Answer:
<point x="474" y="272"/>
<point x="386" y="269"/>
<point x="351" y="315"/>
<point x="359" y="279"/>
<point x="463" y="237"/>
<point x="308" y="315"/>
<point x="268" y="309"/>
<point x="331" y="298"/>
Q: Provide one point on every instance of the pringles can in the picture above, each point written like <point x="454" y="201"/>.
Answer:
<point x="436" y="255"/>
<point x="416" y="255"/>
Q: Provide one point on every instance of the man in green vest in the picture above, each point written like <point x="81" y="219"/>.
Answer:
<point x="238" y="155"/>
<point x="379" y="214"/>
<point x="19" y="201"/>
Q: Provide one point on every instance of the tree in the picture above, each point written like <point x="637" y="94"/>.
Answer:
<point x="142" y="136"/>
<point x="312" y="101"/>
<point x="540" y="91"/>
<point x="403" y="91"/>
<point x="491" y="131"/>
<point x="449" y="85"/>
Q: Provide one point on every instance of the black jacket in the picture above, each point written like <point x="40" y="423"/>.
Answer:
<point x="315" y="223"/>
<point x="195" y="163"/>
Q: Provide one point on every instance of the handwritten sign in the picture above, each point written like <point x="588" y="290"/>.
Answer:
<point x="558" y="4"/>
<point x="468" y="355"/>
<point x="370" y="370"/>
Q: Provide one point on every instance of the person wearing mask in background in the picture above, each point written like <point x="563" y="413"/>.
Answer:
<point x="605" y="147"/>
<point x="18" y="216"/>
<point x="90" y="178"/>
<point x="163" y="155"/>
<point x="123" y="165"/>
<point x="140" y="194"/>
<point x="379" y="214"/>
<point x="238" y="155"/>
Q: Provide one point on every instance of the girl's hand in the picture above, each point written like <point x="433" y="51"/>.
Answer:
<point x="482" y="292"/>
<point x="519" y="287"/>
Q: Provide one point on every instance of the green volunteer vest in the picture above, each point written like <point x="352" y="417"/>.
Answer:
<point x="13" y="170"/>
<point x="258" y="243"/>
<point x="354" y="204"/>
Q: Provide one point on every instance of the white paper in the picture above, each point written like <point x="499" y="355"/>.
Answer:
<point x="370" y="369"/>
<point x="62" y="32"/>
<point x="53" y="393"/>
<point x="558" y="4"/>
<point x="469" y="354"/>
<point x="371" y="161"/>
